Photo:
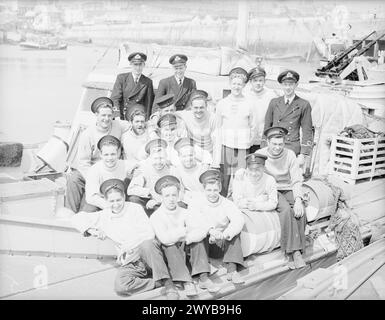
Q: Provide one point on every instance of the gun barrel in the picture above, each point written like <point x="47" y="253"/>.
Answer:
<point x="343" y="54"/>
<point x="359" y="53"/>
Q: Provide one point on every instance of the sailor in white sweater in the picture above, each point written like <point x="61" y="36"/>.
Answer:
<point x="141" y="189"/>
<point x="223" y="222"/>
<point x="87" y="153"/>
<point x="109" y="167"/>
<point x="253" y="189"/>
<point x="137" y="136"/>
<point x="189" y="169"/>
<point x="260" y="97"/>
<point x="181" y="231"/>
<point x="127" y="225"/>
<point x="236" y="129"/>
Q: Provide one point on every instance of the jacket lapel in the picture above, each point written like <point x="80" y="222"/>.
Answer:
<point x="135" y="88"/>
<point x="291" y="108"/>
<point x="178" y="90"/>
<point x="281" y="107"/>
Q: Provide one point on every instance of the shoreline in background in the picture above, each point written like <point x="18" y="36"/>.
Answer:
<point x="39" y="87"/>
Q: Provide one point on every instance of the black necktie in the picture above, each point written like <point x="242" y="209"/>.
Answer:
<point x="180" y="82"/>
<point x="287" y="102"/>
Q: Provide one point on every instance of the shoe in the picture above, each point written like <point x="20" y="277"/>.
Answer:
<point x="170" y="291"/>
<point x="298" y="260"/>
<point x="178" y="285"/>
<point x="235" y="278"/>
<point x="290" y="262"/>
<point x="190" y="289"/>
<point x="208" y="285"/>
<point x="172" y="294"/>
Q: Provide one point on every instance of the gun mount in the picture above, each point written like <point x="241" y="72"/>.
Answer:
<point x="347" y="64"/>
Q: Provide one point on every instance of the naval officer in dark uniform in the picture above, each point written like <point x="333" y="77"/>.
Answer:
<point x="133" y="88"/>
<point x="293" y="113"/>
<point x="179" y="85"/>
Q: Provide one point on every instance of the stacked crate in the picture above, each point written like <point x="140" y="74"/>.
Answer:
<point x="355" y="160"/>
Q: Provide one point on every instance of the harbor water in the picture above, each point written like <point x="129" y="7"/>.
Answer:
<point x="39" y="87"/>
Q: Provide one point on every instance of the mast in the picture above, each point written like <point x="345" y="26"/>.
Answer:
<point x="242" y="24"/>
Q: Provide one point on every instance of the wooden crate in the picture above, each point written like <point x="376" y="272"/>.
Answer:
<point x="355" y="160"/>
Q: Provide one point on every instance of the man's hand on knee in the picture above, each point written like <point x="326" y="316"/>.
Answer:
<point x="298" y="208"/>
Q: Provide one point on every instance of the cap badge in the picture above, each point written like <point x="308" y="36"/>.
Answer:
<point x="289" y="75"/>
<point x="177" y="58"/>
<point x="137" y="56"/>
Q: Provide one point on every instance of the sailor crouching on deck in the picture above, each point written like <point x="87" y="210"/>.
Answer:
<point x="224" y="223"/>
<point x="109" y="167"/>
<point x="181" y="233"/>
<point x="189" y="169"/>
<point x="166" y="106"/>
<point x="88" y="153"/>
<point x="282" y="164"/>
<point x="142" y="187"/>
<point x="127" y="225"/>
<point x="252" y="188"/>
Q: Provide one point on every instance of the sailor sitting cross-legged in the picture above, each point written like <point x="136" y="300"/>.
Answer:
<point x="88" y="153"/>
<point x="189" y="169"/>
<point x="141" y="189"/>
<point x="252" y="188"/>
<point x="282" y="164"/>
<point x="109" y="167"/>
<point x="224" y="223"/>
<point x="127" y="225"/>
<point x="181" y="233"/>
<point x="137" y="136"/>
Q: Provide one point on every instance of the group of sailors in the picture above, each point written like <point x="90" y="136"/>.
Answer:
<point x="168" y="179"/>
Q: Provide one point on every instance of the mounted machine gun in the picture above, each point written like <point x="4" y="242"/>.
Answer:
<point x="345" y="66"/>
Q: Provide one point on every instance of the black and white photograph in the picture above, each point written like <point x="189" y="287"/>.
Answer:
<point x="192" y="150"/>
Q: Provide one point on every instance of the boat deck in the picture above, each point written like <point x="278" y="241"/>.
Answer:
<point x="73" y="271"/>
<point x="359" y="276"/>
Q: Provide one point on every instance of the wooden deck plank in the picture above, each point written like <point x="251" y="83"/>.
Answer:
<point x="19" y="273"/>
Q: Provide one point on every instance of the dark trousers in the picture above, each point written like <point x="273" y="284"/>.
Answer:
<point x="75" y="194"/>
<point x="229" y="251"/>
<point x="141" y="275"/>
<point x="292" y="229"/>
<point x="142" y="202"/>
<point x="254" y="148"/>
<point x="178" y="254"/>
<point x="231" y="160"/>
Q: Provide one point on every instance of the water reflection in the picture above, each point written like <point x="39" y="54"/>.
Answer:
<point x="39" y="87"/>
